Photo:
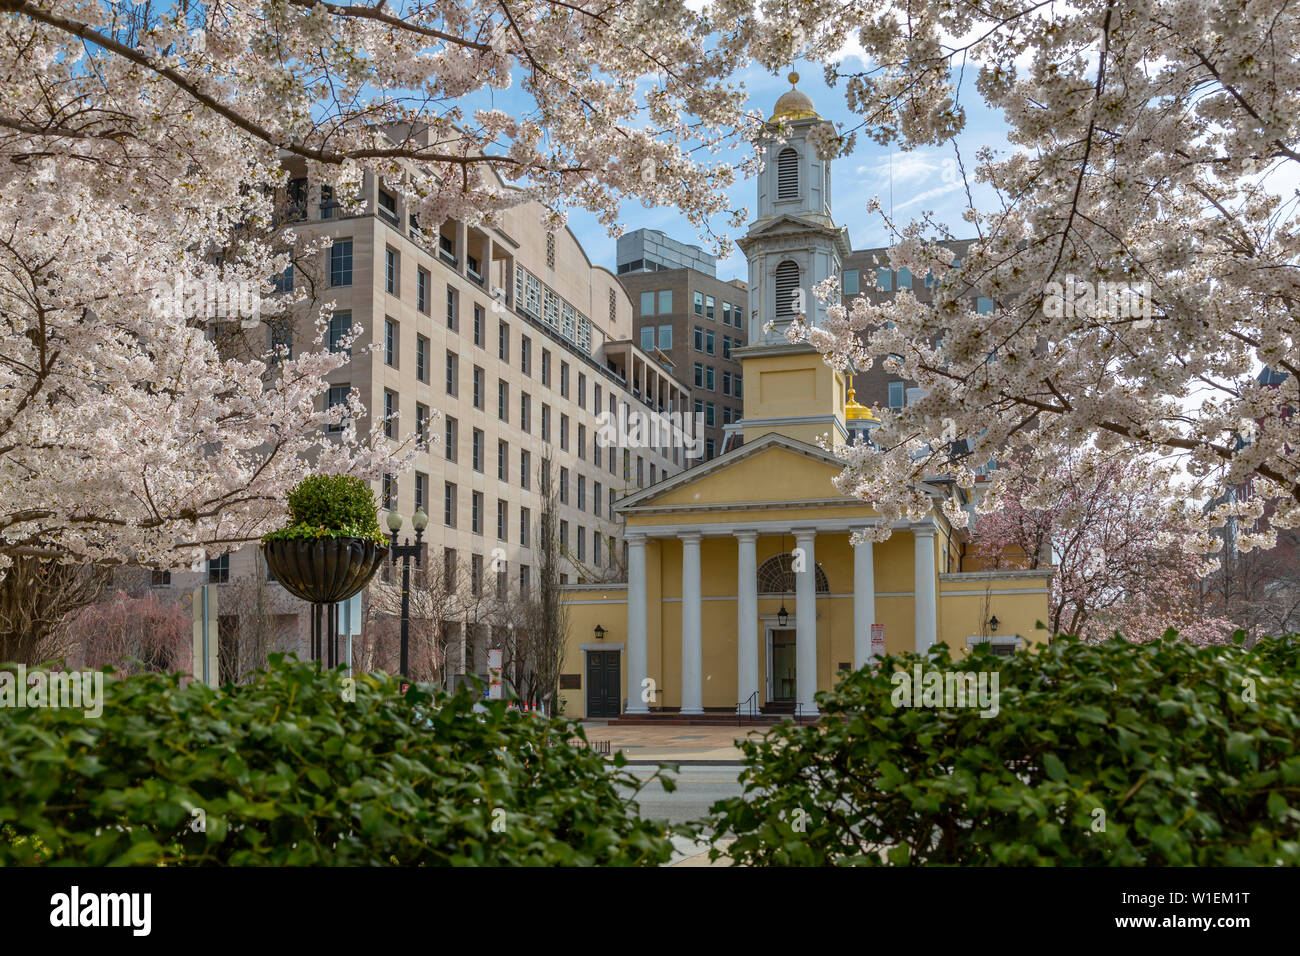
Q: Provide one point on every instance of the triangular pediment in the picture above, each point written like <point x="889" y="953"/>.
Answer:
<point x="770" y="470"/>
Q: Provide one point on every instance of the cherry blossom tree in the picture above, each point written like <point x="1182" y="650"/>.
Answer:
<point x="1110" y="528"/>
<point x="143" y="151"/>
<point x="1140" y="256"/>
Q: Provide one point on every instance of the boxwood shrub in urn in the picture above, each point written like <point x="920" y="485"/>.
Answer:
<point x="332" y="545"/>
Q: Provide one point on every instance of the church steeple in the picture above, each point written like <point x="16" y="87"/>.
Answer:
<point x="793" y="245"/>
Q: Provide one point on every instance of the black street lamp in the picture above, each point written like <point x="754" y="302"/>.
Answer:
<point x="406" y="551"/>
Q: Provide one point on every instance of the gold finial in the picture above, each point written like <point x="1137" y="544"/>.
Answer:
<point x="793" y="78"/>
<point x="855" y="412"/>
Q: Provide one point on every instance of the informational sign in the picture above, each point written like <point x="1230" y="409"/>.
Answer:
<point x="494" y="674"/>
<point x="877" y="640"/>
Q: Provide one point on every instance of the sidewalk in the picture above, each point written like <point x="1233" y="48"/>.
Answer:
<point x="682" y="744"/>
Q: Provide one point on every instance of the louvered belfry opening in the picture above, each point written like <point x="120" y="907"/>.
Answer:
<point x="787" y="284"/>
<point x="787" y="174"/>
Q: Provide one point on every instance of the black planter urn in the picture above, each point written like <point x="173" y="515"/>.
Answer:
<point x="325" y="570"/>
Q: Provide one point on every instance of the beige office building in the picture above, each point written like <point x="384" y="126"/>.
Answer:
<point x="520" y="342"/>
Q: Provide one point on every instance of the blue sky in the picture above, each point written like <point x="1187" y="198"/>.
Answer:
<point x="919" y="180"/>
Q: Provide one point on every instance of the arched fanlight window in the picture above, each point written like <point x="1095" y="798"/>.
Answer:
<point x="787" y="288"/>
<point x="787" y="174"/>
<point x="776" y="576"/>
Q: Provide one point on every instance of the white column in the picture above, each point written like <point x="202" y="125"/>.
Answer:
<point x="924" y="596"/>
<point x="636" y="624"/>
<point x="805" y="623"/>
<point x="864" y="601"/>
<point x="462" y="246"/>
<point x="746" y="616"/>
<point x="692" y="649"/>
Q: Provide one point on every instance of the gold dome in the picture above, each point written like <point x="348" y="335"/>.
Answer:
<point x="793" y="105"/>
<point x="855" y="412"/>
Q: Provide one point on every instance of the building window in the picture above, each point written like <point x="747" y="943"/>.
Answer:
<point x="905" y="278"/>
<point x="338" y="395"/>
<point x="699" y="339"/>
<point x="388" y="207"/>
<point x="726" y="346"/>
<point x="421" y="358"/>
<point x="595" y="498"/>
<point x="582" y="391"/>
<point x="582" y="543"/>
<point x="476" y="456"/>
<point x="390" y="342"/>
<point x="709" y="414"/>
<point x="453" y="309"/>
<point x="421" y="422"/>
<point x="390" y="414"/>
<point x="524" y="576"/>
<point x="503" y="519"/>
<point x="422" y="290"/>
<point x="390" y="271"/>
<point x="525" y="524"/>
<point x="341" y="262"/>
<point x="503" y="342"/>
<point x="884" y="280"/>
<point x="699" y="303"/>
<point x="699" y="375"/>
<point x="503" y="460"/>
<point x="421" y="492"/>
<point x="476" y="512"/>
<point x="160" y="579"/>
<point x="503" y="400"/>
<point x="787" y="288"/>
<point x="708" y="377"/>
<point x="388" y="492"/>
<point x="850" y="281"/>
<point x="453" y="373"/>
<point x="665" y="301"/>
<point x="476" y="574"/>
<point x="983" y="305"/>
<point x="526" y="355"/>
<point x="726" y="383"/>
<point x="546" y="367"/>
<point x="449" y="504"/>
<point x="665" y="337"/>
<point x="525" y="469"/>
<point x="564" y="379"/>
<point x="219" y="570"/>
<point x="564" y="433"/>
<point x="582" y="493"/>
<point x="340" y="329"/>
<point x="582" y="442"/>
<point x="708" y="308"/>
<point x="525" y="411"/>
<point x="647" y="303"/>
<point x="478" y="325"/>
<point x="449" y="570"/>
<point x="895" y="394"/>
<point x="647" y="338"/>
<point x="546" y="422"/>
<point x="453" y="438"/>
<point x="564" y="486"/>
<point x="738" y="385"/>
<point x="708" y="342"/>
<point x="787" y="174"/>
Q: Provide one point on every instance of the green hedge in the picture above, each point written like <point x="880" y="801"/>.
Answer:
<point x="287" y="771"/>
<point x="1117" y="754"/>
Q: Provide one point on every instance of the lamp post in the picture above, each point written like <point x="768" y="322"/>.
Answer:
<point x="406" y="551"/>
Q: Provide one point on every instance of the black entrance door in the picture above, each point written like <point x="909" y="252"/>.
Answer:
<point x="604" y="696"/>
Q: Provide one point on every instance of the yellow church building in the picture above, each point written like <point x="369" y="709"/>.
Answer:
<point x="748" y="589"/>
